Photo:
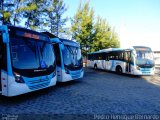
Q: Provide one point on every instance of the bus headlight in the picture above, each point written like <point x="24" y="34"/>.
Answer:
<point x="18" y="78"/>
<point x="138" y="68"/>
<point x="54" y="73"/>
<point x="66" y="70"/>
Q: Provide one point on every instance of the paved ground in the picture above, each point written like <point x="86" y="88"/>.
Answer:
<point x="99" y="92"/>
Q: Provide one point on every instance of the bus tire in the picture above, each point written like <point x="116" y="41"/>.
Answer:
<point x="119" y="70"/>
<point x="95" y="66"/>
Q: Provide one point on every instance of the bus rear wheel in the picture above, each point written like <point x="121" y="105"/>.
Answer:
<point x="118" y="70"/>
<point x="95" y="66"/>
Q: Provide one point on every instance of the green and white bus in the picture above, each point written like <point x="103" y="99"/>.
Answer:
<point x="138" y="60"/>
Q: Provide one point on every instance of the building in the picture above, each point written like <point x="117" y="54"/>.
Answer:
<point x="157" y="58"/>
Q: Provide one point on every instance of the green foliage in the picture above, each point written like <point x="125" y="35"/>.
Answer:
<point x="54" y="12"/>
<point x="37" y="14"/>
<point x="32" y="12"/>
<point x="6" y="9"/>
<point x="18" y="11"/>
<point x="92" y="36"/>
<point x="105" y="37"/>
<point x="82" y="26"/>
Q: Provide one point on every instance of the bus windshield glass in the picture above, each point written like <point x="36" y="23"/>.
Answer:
<point x="144" y="57"/>
<point x="72" y="57"/>
<point x="46" y="55"/>
<point x="29" y="54"/>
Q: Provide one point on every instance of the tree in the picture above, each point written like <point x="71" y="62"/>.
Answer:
<point x="12" y="11"/>
<point x="17" y="16"/>
<point x="37" y="14"/>
<point x="105" y="37"/>
<point x="92" y="36"/>
<point x="55" y="13"/>
<point x="32" y="13"/>
<point x="82" y="26"/>
<point x="6" y="8"/>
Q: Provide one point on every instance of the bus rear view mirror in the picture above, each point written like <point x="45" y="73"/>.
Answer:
<point x="5" y="37"/>
<point x="4" y="33"/>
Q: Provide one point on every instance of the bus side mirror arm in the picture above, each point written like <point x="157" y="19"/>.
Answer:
<point x="62" y="46"/>
<point x="5" y="38"/>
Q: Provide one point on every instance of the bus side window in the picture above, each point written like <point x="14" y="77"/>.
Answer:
<point x="95" y="56"/>
<point x="120" y="55"/>
<point x="126" y="56"/>
<point x="103" y="56"/>
<point x="112" y="56"/>
<point x="90" y="57"/>
<point x="100" y="56"/>
<point x="107" y="57"/>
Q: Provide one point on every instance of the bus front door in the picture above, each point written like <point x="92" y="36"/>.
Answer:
<point x="128" y="61"/>
<point x="3" y="64"/>
<point x="58" y="53"/>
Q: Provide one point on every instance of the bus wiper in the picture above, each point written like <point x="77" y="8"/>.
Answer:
<point x="70" y="50"/>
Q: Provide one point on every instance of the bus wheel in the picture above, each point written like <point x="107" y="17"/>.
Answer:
<point x="118" y="70"/>
<point x="95" y="66"/>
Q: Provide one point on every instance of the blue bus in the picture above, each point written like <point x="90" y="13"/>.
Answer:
<point x="27" y="61"/>
<point x="68" y="59"/>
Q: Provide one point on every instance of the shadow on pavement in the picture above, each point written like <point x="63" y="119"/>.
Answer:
<point x="91" y="70"/>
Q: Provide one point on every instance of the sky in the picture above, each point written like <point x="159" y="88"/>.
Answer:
<point x="137" y="22"/>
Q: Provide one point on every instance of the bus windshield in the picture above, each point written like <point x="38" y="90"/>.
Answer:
<point x="144" y="58"/>
<point x="72" y="57"/>
<point x="31" y="56"/>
